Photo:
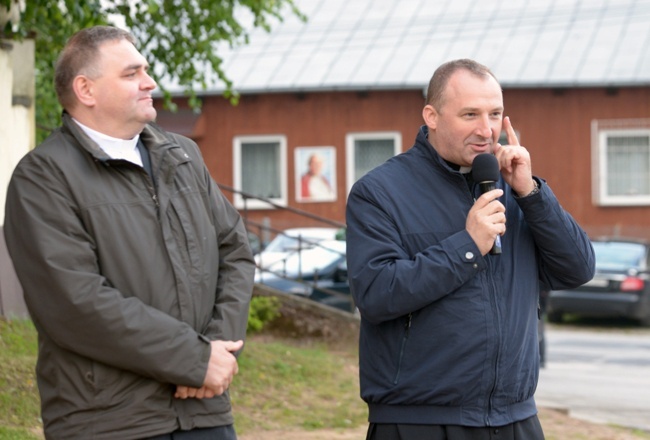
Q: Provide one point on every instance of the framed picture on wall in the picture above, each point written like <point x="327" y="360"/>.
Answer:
<point x="315" y="174"/>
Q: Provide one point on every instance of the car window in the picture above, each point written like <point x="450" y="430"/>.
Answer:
<point x="317" y="258"/>
<point x="285" y="243"/>
<point x="619" y="256"/>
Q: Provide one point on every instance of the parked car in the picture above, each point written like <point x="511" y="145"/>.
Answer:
<point x="620" y="287"/>
<point x="256" y="244"/>
<point x="319" y="273"/>
<point x="290" y="242"/>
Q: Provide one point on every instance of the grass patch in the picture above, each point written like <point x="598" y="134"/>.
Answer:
<point x="281" y="385"/>
<point x="19" y="402"/>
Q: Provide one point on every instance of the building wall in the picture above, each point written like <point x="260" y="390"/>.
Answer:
<point x="17" y="121"/>
<point x="313" y="119"/>
<point x="17" y="135"/>
<point x="554" y="124"/>
<point x="556" y="127"/>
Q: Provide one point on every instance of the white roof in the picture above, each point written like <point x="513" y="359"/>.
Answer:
<point x="397" y="44"/>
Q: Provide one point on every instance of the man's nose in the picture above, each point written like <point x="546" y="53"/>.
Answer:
<point x="484" y="127"/>
<point x="149" y="83"/>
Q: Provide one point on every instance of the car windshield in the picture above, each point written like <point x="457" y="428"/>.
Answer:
<point x="315" y="259"/>
<point x="618" y="255"/>
<point x="285" y="243"/>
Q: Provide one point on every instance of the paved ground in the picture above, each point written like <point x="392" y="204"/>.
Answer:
<point x="601" y="376"/>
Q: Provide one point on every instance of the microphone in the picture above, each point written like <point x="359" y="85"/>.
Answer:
<point x="485" y="171"/>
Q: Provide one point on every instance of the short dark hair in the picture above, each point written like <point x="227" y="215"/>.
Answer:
<point x="79" y="56"/>
<point x="440" y="78"/>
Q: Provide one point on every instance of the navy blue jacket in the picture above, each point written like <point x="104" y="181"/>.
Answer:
<point x="449" y="336"/>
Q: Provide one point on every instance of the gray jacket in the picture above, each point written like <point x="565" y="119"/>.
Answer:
<point x="126" y="279"/>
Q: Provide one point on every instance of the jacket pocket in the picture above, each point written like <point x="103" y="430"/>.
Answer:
<point x="185" y="238"/>
<point x="194" y="234"/>
<point x="402" y="348"/>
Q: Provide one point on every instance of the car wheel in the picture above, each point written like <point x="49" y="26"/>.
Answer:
<point x="555" y="317"/>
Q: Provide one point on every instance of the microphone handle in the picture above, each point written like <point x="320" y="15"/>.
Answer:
<point x="485" y="187"/>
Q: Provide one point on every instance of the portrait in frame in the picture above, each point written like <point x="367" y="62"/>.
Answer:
<point x="315" y="174"/>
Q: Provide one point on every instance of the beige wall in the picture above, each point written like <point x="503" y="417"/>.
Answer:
<point x="17" y="121"/>
<point x="17" y="137"/>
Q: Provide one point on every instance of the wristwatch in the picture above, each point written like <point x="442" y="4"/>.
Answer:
<point x="534" y="191"/>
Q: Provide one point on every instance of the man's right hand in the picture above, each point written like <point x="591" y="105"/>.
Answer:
<point x="486" y="220"/>
<point x="222" y="368"/>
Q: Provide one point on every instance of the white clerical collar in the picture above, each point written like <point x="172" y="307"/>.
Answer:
<point x="114" y="147"/>
<point x="465" y="170"/>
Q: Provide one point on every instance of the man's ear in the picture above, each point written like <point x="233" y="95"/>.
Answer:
<point x="430" y="116"/>
<point x="84" y="89"/>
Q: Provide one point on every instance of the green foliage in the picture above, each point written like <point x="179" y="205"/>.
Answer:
<point x="179" y="38"/>
<point x="263" y="309"/>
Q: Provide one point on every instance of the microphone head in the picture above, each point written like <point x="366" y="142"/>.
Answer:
<point x="485" y="168"/>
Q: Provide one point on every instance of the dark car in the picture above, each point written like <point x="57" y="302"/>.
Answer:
<point x="319" y="273"/>
<point x="619" y="289"/>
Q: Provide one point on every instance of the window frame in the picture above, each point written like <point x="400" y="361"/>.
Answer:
<point x="601" y="131"/>
<point x="350" y="139"/>
<point x="237" y="143"/>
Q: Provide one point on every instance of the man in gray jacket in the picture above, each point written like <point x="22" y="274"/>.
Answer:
<point x="137" y="271"/>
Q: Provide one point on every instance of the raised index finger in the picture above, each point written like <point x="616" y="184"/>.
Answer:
<point x="510" y="131"/>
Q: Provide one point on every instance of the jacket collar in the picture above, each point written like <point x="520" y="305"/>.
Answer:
<point x="151" y="136"/>
<point x="84" y="140"/>
<point x="425" y="148"/>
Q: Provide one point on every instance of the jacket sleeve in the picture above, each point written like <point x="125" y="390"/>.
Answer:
<point x="385" y="280"/>
<point x="72" y="304"/>
<point x="236" y="271"/>
<point x="566" y="256"/>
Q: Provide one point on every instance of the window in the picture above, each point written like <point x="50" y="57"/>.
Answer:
<point x="260" y="170"/>
<point x="621" y="149"/>
<point x="365" y="151"/>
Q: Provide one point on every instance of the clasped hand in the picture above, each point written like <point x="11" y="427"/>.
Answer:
<point x="222" y="368"/>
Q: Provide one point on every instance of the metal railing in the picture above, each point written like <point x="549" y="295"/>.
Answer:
<point x="313" y="286"/>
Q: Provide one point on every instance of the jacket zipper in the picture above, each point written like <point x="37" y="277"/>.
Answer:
<point x="150" y="187"/>
<point x="407" y="330"/>
<point x="497" y="326"/>
<point x="148" y="179"/>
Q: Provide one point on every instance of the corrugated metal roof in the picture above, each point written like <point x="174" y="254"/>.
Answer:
<point x="397" y="44"/>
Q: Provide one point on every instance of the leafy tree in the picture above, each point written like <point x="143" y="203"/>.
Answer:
<point x="179" y="38"/>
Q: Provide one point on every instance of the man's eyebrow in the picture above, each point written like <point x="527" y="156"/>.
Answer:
<point x="136" y="67"/>
<point x="478" y="109"/>
<point x="469" y="109"/>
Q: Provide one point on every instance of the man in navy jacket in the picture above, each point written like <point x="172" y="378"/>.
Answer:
<point x="448" y="346"/>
